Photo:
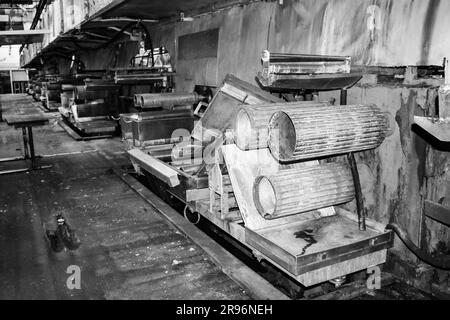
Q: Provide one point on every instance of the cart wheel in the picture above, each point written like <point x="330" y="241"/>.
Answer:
<point x="191" y="215"/>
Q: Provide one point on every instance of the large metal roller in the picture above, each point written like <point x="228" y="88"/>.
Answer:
<point x="95" y="108"/>
<point x="313" y="132"/>
<point x="67" y="87"/>
<point x="165" y="100"/>
<point x="251" y="123"/>
<point x="299" y="190"/>
<point x="54" y="86"/>
<point x="93" y="91"/>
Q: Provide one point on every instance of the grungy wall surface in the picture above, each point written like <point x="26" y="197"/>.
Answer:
<point x="394" y="177"/>
<point x="373" y="32"/>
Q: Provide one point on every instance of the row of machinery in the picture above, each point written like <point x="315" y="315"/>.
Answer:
<point x="90" y="101"/>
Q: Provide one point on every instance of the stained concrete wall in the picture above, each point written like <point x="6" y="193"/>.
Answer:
<point x="373" y="32"/>
<point x="405" y="170"/>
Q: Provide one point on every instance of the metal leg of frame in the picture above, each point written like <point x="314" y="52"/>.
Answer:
<point x="12" y="159"/>
<point x="25" y="143"/>
<point x="358" y="192"/>
<point x="356" y="181"/>
<point x="28" y="142"/>
<point x="31" y="144"/>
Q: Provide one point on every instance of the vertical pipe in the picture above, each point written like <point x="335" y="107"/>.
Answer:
<point x="31" y="142"/>
<point x="11" y="80"/>
<point x="358" y="192"/>
<point x="343" y="97"/>
<point x="353" y="167"/>
<point x="25" y="143"/>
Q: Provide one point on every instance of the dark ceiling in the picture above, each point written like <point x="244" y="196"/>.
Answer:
<point x="12" y="2"/>
<point x="162" y="9"/>
<point x="105" y="24"/>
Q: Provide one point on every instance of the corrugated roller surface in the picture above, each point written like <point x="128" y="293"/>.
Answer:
<point x="299" y="190"/>
<point x="251" y="123"/>
<point x="313" y="132"/>
<point x="152" y="100"/>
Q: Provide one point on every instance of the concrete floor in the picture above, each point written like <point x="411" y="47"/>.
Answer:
<point x="128" y="251"/>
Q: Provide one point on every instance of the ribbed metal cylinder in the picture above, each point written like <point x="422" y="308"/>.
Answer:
<point x="251" y="123"/>
<point x="67" y="87"/>
<point x="314" y="132"/>
<point x="155" y="100"/>
<point x="54" y="86"/>
<point x="93" y="108"/>
<point x="299" y="190"/>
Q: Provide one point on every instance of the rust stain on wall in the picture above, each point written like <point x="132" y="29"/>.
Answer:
<point x="428" y="28"/>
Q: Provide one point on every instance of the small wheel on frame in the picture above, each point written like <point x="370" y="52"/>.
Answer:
<point x="192" y="216"/>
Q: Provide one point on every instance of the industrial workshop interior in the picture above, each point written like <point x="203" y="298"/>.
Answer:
<point x="237" y="150"/>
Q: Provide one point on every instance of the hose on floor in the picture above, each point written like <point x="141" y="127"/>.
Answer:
<point x="440" y="262"/>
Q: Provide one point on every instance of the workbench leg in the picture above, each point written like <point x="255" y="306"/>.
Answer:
<point x="25" y="143"/>
<point x="31" y="142"/>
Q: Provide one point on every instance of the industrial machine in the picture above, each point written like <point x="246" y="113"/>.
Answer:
<point x="47" y="89"/>
<point x="150" y="71"/>
<point x="152" y="67"/>
<point x="150" y="110"/>
<point x="91" y="108"/>
<point x="34" y="88"/>
<point x="52" y="95"/>
<point x="272" y="173"/>
<point x="48" y="84"/>
<point x="305" y="72"/>
<point x="162" y="117"/>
